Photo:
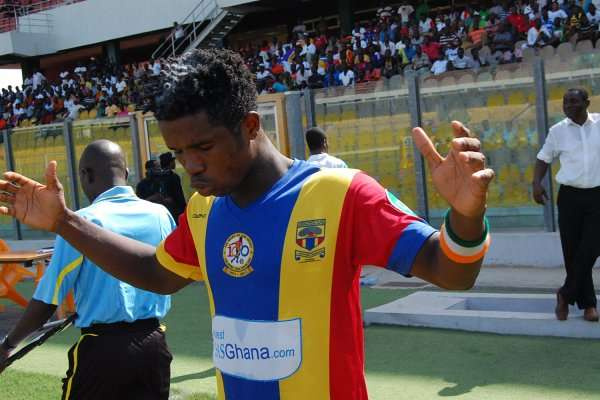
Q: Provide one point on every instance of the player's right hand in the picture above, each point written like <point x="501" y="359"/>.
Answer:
<point x="539" y="193"/>
<point x="39" y="206"/>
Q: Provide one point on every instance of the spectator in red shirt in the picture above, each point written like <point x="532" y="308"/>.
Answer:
<point x="432" y="48"/>
<point x="519" y="21"/>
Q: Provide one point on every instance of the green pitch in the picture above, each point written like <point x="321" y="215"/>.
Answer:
<point x="402" y="363"/>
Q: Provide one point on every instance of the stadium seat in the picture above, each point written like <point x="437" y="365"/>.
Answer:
<point x="484" y="76"/>
<point x="528" y="54"/>
<point x="495" y="100"/>
<point x="93" y="113"/>
<point x="584" y="46"/>
<point x="547" y="52"/>
<point x="517" y="98"/>
<point x="465" y="77"/>
<point x="396" y="82"/>
<point x="502" y="74"/>
<point x="565" y="51"/>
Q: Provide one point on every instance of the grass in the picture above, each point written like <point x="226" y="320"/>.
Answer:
<point x="401" y="363"/>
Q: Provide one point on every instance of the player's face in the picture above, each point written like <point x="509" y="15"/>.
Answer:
<point x="216" y="159"/>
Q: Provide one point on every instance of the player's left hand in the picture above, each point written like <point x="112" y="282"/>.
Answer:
<point x="461" y="177"/>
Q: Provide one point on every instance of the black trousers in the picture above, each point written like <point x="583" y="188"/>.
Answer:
<point x="578" y="221"/>
<point x="119" y="361"/>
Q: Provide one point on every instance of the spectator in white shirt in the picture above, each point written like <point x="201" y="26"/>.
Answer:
<point x="425" y="24"/>
<point x="439" y="66"/>
<point x="556" y="12"/>
<point x="534" y="36"/>
<point x="593" y="16"/>
<point x="576" y="142"/>
<point x="405" y="10"/>
<point x="302" y="76"/>
<point x="452" y="51"/>
<point x="347" y="76"/>
<point x="461" y="61"/>
<point x="156" y="67"/>
<point x="316" y="140"/>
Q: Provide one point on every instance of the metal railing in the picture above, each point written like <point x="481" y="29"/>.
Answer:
<point x="29" y="17"/>
<point x="191" y="27"/>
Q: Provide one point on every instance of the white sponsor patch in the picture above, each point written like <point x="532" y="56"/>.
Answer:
<point x="257" y="350"/>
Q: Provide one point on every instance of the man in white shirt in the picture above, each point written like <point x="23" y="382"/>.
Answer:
<point x="461" y="61"/>
<point x="404" y="11"/>
<point x="439" y="66"/>
<point x="556" y="12"/>
<point x="347" y="76"/>
<point x="576" y="142"/>
<point x="425" y="24"/>
<point x="316" y="140"/>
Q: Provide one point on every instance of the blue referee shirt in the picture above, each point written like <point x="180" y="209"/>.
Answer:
<point x="99" y="297"/>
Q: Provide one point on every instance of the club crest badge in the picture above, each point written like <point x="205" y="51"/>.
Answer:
<point x="310" y="236"/>
<point x="237" y="254"/>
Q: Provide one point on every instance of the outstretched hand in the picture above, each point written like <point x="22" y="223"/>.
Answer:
<point x="39" y="206"/>
<point x="461" y="177"/>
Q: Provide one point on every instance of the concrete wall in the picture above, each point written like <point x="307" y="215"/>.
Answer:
<point x="531" y="249"/>
<point x="94" y="21"/>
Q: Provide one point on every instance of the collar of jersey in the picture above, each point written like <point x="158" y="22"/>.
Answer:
<point x="281" y="182"/>
<point x="116" y="192"/>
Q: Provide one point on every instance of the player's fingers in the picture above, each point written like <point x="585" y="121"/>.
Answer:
<point x="475" y="160"/>
<point x="484" y="177"/>
<point x="426" y="147"/>
<point x="17" y="178"/>
<point x="7" y="198"/>
<point x="459" y="130"/>
<point x="9" y="187"/>
<point x="51" y="178"/>
<point x="8" y="211"/>
<point x="466" y="144"/>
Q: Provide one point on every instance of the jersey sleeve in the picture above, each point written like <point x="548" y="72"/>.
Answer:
<point x="177" y="252"/>
<point x="61" y="275"/>
<point x="385" y="231"/>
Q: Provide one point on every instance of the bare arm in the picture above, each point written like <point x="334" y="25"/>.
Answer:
<point x="36" y="314"/>
<point x="126" y="259"/>
<point x="539" y="192"/>
<point x="433" y="266"/>
<point x="43" y="207"/>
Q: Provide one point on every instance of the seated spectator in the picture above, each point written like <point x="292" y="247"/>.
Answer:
<point x="113" y="109"/>
<point x="452" y="51"/>
<point x="315" y="80"/>
<point x="432" y="48"/>
<point x="420" y="62"/>
<point x="518" y="21"/>
<point x="535" y="37"/>
<point x="462" y="61"/>
<point x="593" y="16"/>
<point x="556" y="12"/>
<point x="503" y="40"/>
<point x="479" y="61"/>
<point x="389" y="66"/>
<point x="425" y="25"/>
<point x="439" y="67"/>
<point x="347" y="76"/>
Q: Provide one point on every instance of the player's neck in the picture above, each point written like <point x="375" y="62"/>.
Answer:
<point x="269" y="166"/>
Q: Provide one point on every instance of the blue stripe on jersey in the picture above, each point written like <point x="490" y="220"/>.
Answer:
<point x="408" y="245"/>
<point x="268" y="216"/>
<point x="243" y="389"/>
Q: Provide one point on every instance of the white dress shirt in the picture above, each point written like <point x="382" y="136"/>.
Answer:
<point x="578" y="149"/>
<point x="324" y="160"/>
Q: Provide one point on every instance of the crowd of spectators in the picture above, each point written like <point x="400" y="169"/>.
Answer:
<point x="97" y="88"/>
<point x="413" y="37"/>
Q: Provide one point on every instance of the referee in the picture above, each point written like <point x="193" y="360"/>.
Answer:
<point x="122" y="352"/>
<point x="576" y="142"/>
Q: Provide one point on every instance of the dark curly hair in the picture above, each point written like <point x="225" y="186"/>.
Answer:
<point x="215" y="81"/>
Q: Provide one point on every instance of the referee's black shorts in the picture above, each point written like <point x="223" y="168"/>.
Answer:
<point x="119" y="361"/>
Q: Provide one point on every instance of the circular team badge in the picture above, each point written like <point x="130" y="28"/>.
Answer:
<point x="237" y="254"/>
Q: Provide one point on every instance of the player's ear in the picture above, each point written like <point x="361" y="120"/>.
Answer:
<point x="251" y="125"/>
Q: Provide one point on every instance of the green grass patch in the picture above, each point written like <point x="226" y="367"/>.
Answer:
<point x="401" y="363"/>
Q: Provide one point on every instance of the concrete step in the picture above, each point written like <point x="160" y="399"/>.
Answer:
<point x="502" y="313"/>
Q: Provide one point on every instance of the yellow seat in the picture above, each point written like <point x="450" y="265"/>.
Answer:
<point x="93" y="113"/>
<point x="517" y="97"/>
<point x="495" y="100"/>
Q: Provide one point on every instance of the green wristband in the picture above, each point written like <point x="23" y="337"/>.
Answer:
<point x="462" y="242"/>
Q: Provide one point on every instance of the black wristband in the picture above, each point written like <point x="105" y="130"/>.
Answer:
<point x="6" y="344"/>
